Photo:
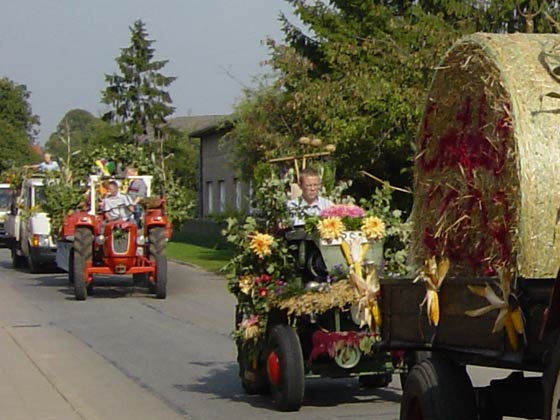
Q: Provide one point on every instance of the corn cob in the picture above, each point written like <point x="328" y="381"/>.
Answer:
<point x="346" y="252"/>
<point x="517" y="320"/>
<point x="374" y="308"/>
<point x="365" y="247"/>
<point x="433" y="307"/>
<point x="511" y="333"/>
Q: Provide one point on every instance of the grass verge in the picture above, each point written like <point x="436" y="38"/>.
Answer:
<point x="207" y="258"/>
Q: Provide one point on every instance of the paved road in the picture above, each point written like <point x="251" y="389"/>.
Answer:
<point x="123" y="354"/>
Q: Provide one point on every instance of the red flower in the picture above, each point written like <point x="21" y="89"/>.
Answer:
<point x="263" y="292"/>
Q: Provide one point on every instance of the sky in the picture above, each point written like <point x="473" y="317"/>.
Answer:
<point x="62" y="50"/>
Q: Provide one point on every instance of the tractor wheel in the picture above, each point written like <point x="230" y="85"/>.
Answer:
<point x="83" y="251"/>
<point x="158" y="242"/>
<point x="284" y="367"/>
<point x="253" y="378"/>
<point x="71" y="268"/>
<point x="18" y="261"/>
<point x="251" y="372"/>
<point x="375" y="381"/>
<point x="437" y="389"/>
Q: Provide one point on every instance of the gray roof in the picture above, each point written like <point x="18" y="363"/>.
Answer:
<point x="196" y="126"/>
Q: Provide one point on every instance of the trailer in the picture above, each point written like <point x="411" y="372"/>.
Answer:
<point x="486" y="240"/>
<point x="27" y="228"/>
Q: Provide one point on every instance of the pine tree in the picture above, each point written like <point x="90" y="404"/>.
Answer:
<point x="138" y="95"/>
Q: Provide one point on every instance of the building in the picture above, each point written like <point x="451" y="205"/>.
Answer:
<point x="220" y="187"/>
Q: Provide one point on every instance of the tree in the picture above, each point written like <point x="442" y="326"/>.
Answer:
<point x="84" y="131"/>
<point x="17" y="125"/>
<point x="137" y="96"/>
<point x="356" y="74"/>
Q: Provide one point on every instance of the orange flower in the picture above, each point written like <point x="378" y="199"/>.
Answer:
<point x="373" y="228"/>
<point x="330" y="228"/>
<point x="261" y="243"/>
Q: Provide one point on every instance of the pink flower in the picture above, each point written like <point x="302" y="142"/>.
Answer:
<point x="343" y="210"/>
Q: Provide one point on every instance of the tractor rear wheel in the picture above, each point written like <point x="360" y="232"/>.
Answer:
<point x="158" y="243"/>
<point x="83" y="253"/>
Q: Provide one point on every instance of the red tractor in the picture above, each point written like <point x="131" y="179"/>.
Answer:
<point x="91" y="244"/>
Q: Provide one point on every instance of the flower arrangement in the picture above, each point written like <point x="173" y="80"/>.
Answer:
<point x="335" y="220"/>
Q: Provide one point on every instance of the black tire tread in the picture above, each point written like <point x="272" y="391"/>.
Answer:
<point x="83" y="252"/>
<point x="289" y="395"/>
<point x="157" y="251"/>
<point x="443" y="389"/>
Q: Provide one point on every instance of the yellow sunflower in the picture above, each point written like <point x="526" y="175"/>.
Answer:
<point x="373" y="228"/>
<point x="330" y="228"/>
<point x="261" y="243"/>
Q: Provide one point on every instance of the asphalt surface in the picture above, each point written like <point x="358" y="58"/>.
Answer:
<point x="122" y="354"/>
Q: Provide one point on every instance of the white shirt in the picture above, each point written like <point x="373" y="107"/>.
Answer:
<point x="50" y="166"/>
<point x="299" y="208"/>
<point x="116" y="206"/>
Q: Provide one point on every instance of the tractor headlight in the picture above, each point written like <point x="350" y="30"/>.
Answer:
<point x="40" y="240"/>
<point x="100" y="239"/>
<point x="140" y="240"/>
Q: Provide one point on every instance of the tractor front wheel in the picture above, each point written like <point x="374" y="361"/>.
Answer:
<point x="83" y="252"/>
<point x="284" y="366"/>
<point x="158" y="243"/>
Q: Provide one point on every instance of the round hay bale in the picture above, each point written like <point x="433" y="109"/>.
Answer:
<point x="488" y="158"/>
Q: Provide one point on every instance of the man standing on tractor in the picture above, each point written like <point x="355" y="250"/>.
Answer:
<point x="310" y="203"/>
<point x="116" y="206"/>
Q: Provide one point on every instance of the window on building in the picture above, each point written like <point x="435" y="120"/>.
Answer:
<point x="238" y="196"/>
<point x="222" y="195"/>
<point x="209" y="197"/>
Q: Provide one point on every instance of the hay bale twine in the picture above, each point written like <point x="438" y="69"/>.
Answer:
<point x="487" y="168"/>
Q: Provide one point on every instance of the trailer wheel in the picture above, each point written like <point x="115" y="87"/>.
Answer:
<point x="375" y="381"/>
<point x="284" y="366"/>
<point x="410" y="359"/>
<point x="83" y="251"/>
<point x="437" y="389"/>
<point x="551" y="385"/>
<point x="158" y="242"/>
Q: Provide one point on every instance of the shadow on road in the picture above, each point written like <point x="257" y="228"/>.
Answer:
<point x="103" y="287"/>
<point x="223" y="382"/>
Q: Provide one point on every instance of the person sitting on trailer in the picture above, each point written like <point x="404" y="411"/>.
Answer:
<point x="116" y="206"/>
